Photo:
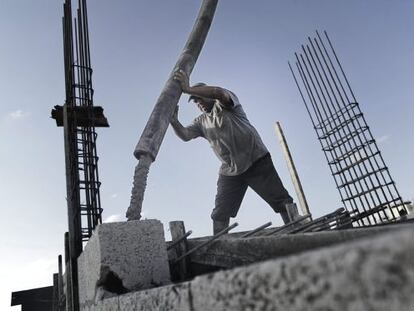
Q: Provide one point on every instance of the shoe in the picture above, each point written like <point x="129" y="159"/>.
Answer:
<point x="290" y="213"/>
<point x="220" y="225"/>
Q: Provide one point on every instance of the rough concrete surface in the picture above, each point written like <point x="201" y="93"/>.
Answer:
<point x="109" y="304"/>
<point x="233" y="252"/>
<point x="128" y="302"/>
<point x="372" y="274"/>
<point x="167" y="298"/>
<point x="121" y="257"/>
<point x="376" y="273"/>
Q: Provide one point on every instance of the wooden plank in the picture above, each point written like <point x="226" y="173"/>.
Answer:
<point x="55" y="299"/>
<point x="61" y="294"/>
<point x="84" y="116"/>
<point x="292" y="170"/>
<point x="177" y="230"/>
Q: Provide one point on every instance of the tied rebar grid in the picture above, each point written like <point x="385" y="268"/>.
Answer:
<point x="83" y="168"/>
<point x="365" y="185"/>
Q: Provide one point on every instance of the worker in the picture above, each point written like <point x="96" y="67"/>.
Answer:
<point x="245" y="159"/>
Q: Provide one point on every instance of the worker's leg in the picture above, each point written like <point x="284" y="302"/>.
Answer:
<point x="264" y="180"/>
<point x="230" y="193"/>
<point x="219" y="225"/>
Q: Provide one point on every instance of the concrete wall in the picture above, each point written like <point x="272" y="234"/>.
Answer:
<point x="375" y="273"/>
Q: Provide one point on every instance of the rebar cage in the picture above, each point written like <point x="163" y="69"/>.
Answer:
<point x="83" y="168"/>
<point x="364" y="182"/>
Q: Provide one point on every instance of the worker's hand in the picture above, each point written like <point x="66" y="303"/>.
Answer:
<point x="182" y="78"/>
<point x="174" y="118"/>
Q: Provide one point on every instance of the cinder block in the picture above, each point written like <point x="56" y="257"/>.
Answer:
<point x="122" y="257"/>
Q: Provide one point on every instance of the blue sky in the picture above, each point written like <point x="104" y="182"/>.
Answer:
<point x="134" y="45"/>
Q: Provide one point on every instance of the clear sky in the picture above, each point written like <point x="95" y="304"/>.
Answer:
<point x="134" y="45"/>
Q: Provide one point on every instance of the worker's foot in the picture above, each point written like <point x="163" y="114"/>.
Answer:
<point x="285" y="217"/>
<point x="290" y="213"/>
<point x="220" y="225"/>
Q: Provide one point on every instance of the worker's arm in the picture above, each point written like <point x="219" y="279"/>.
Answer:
<point x="185" y="133"/>
<point x="211" y="92"/>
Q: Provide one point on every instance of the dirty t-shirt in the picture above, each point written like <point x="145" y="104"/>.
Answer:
<point x="234" y="140"/>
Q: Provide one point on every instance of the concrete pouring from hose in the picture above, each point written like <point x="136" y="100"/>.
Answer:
<point x="151" y="138"/>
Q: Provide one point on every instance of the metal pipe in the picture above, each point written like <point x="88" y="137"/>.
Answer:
<point x="292" y="223"/>
<point x="319" y="220"/>
<point x="258" y="229"/>
<point x="174" y="243"/>
<point x="209" y="241"/>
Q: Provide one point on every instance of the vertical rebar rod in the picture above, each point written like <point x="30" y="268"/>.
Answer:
<point x="340" y="66"/>
<point x="301" y="94"/>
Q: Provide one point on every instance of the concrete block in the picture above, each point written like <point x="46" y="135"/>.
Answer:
<point x="109" y="304"/>
<point x="167" y="298"/>
<point x="86" y="308"/>
<point x="128" y="302"/>
<point x="376" y="273"/>
<point x="122" y="257"/>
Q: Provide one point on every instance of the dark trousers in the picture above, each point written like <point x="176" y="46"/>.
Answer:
<point x="262" y="178"/>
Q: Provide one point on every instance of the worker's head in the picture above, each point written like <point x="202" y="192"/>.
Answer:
<point x="203" y="103"/>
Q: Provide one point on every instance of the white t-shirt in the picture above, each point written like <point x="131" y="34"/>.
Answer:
<point x="234" y="140"/>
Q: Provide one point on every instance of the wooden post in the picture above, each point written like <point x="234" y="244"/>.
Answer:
<point x="68" y="271"/>
<point x="74" y="239"/>
<point x="177" y="230"/>
<point x="292" y="170"/>
<point x="55" y="298"/>
<point x="60" y="284"/>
